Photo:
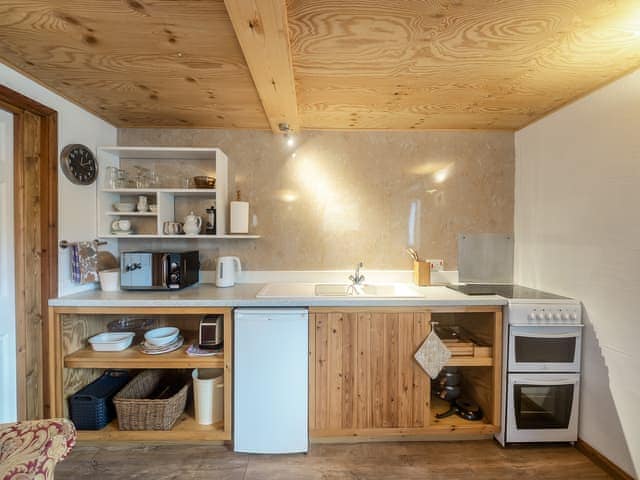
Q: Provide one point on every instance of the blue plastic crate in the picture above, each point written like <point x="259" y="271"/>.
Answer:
<point x="91" y="408"/>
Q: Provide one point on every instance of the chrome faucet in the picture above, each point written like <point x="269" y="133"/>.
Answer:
<point x="356" y="278"/>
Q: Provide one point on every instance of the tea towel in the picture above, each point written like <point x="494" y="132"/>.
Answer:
<point x="84" y="262"/>
<point x="432" y="355"/>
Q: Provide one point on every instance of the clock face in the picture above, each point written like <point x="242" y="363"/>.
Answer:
<point x="79" y="164"/>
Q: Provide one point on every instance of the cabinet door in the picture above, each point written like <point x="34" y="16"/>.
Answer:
<point x="362" y="371"/>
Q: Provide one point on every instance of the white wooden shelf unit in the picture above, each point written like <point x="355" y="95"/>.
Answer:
<point x="165" y="198"/>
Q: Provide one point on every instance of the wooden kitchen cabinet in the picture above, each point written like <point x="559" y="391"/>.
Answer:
<point x="73" y="364"/>
<point x="365" y="382"/>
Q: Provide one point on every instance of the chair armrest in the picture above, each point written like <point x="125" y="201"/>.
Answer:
<point x="33" y="448"/>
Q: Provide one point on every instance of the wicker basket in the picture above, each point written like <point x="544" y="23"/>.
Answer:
<point x="135" y="412"/>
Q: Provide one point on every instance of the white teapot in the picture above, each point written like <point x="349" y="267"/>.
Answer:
<point x="192" y="224"/>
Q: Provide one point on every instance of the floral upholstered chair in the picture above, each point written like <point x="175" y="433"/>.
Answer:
<point x="30" y="450"/>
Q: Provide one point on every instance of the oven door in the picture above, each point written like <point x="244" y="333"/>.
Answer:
<point x="542" y="407"/>
<point x="545" y="348"/>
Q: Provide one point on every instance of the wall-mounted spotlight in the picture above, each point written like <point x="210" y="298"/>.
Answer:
<point x="288" y="136"/>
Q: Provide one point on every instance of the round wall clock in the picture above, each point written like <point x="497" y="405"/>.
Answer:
<point x="79" y="164"/>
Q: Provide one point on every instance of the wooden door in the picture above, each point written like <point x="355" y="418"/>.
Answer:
<point x="29" y="269"/>
<point x="35" y="239"/>
<point x="362" y="372"/>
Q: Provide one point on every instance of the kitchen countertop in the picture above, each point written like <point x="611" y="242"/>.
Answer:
<point x="244" y="295"/>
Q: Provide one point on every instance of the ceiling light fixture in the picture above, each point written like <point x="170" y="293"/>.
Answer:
<point x="284" y="127"/>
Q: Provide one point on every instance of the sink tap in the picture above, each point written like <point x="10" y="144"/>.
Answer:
<point x="356" y="278"/>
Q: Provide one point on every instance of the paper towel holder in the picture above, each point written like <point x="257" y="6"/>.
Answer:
<point x="239" y="215"/>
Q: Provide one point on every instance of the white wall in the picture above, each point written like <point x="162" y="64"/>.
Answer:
<point x="76" y="204"/>
<point x="577" y="230"/>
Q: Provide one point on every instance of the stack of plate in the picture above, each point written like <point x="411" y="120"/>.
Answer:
<point x="161" y="340"/>
<point x="153" y="350"/>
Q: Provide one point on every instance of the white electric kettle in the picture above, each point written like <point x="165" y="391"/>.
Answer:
<point x="226" y="271"/>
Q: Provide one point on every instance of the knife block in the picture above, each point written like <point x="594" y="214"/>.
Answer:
<point x="422" y="273"/>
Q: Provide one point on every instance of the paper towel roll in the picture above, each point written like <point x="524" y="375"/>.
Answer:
<point x="239" y="221"/>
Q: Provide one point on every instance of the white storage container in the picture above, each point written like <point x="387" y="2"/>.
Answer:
<point x="208" y="395"/>
<point x="110" y="280"/>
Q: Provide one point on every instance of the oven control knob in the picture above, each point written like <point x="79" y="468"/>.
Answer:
<point x="557" y="317"/>
<point x="565" y="316"/>
<point x="573" y="316"/>
<point x="532" y="315"/>
<point x="549" y="316"/>
<point x="540" y="316"/>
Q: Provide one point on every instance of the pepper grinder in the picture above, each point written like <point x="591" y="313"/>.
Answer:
<point x="210" y="229"/>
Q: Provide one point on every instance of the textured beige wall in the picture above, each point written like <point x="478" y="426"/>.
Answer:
<point x="340" y="197"/>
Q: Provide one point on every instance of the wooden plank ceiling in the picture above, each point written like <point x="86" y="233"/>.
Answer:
<point x="357" y="64"/>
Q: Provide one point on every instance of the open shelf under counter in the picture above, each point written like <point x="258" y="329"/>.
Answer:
<point x="132" y="357"/>
<point x="185" y="429"/>
<point x="456" y="423"/>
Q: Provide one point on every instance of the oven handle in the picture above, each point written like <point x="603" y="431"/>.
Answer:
<point x="546" y="335"/>
<point x="560" y="381"/>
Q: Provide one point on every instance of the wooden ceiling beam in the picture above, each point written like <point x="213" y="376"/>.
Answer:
<point x="262" y="31"/>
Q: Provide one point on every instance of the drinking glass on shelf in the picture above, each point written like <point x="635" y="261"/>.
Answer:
<point x="153" y="179"/>
<point x="141" y="177"/>
<point x="112" y="177"/>
<point x="116" y="177"/>
<point x="186" y="182"/>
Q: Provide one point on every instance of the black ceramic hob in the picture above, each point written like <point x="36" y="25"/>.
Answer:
<point x="504" y="290"/>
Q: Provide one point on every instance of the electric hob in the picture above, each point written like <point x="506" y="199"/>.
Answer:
<point x="509" y="291"/>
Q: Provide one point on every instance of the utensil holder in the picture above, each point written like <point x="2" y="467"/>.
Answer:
<point x="422" y="273"/>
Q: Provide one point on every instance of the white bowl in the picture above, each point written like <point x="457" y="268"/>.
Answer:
<point x="162" y="336"/>
<point x="153" y="208"/>
<point x="111" y="341"/>
<point x="124" y="206"/>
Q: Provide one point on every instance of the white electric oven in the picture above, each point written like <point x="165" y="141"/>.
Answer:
<point x="541" y="368"/>
<point x="544" y="348"/>
<point x="543" y="407"/>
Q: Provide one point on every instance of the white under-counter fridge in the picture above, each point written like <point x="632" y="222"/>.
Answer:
<point x="271" y="369"/>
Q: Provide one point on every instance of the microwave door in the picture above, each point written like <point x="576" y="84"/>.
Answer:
<point x="136" y="271"/>
<point x="160" y="270"/>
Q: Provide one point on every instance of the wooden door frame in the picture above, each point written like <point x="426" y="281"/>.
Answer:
<point x="18" y="104"/>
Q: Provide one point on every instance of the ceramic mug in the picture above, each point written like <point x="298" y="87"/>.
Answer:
<point x="124" y="225"/>
<point x="172" y="228"/>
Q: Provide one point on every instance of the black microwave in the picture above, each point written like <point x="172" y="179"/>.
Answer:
<point x="141" y="270"/>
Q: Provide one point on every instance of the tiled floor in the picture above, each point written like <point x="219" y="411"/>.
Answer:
<point x="481" y="460"/>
